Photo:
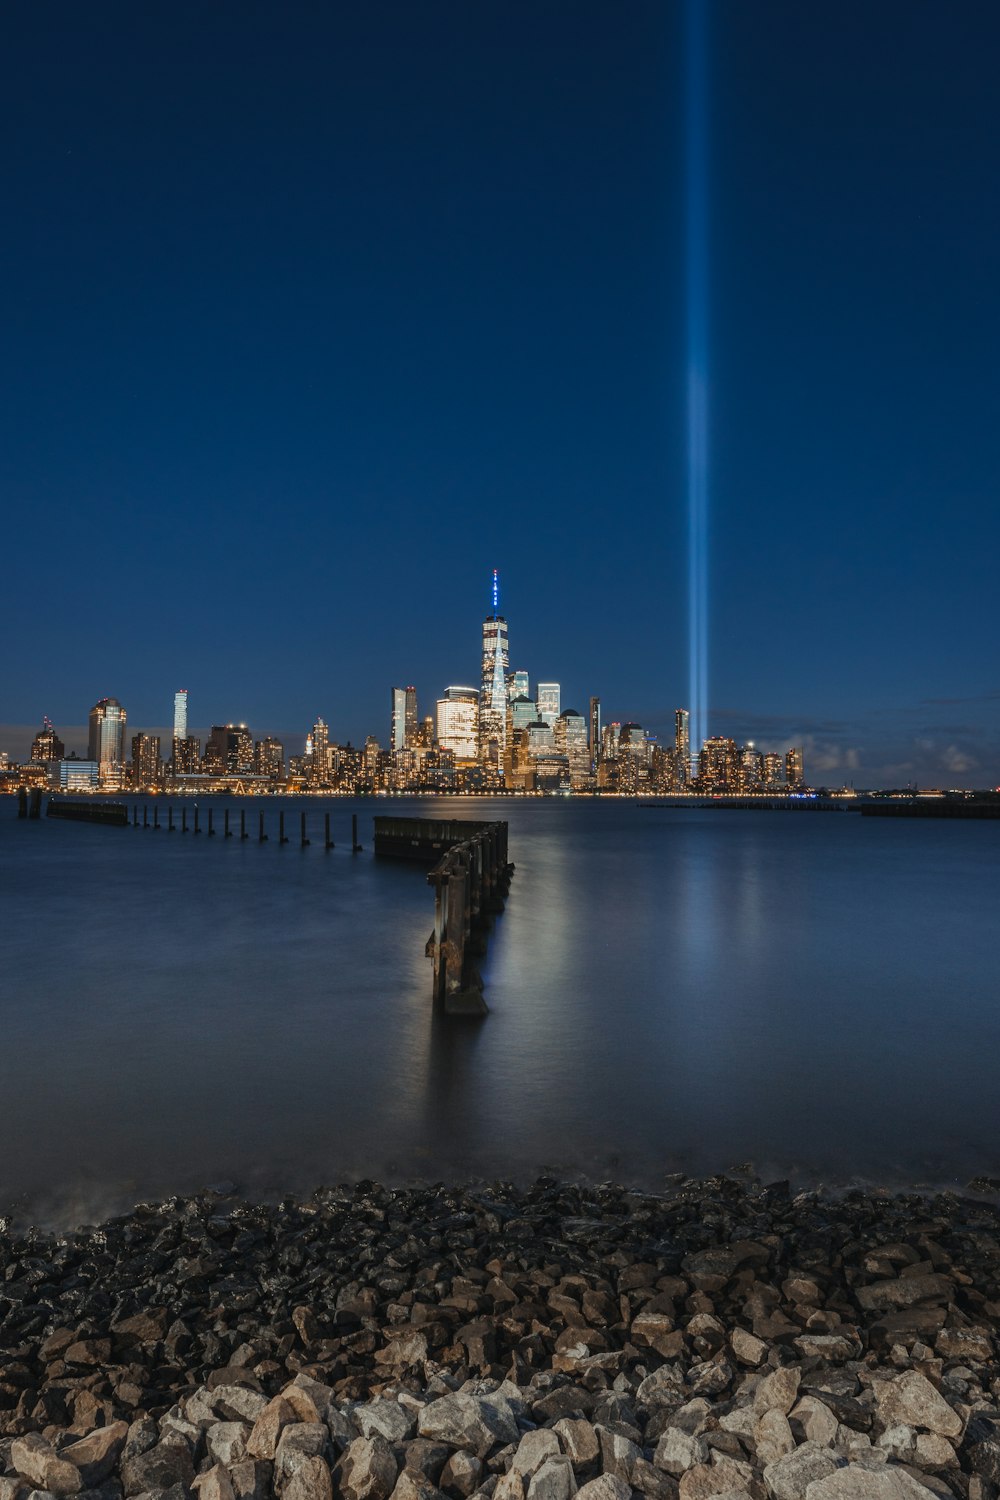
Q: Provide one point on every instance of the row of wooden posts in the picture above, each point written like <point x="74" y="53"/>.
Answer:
<point x="470" y="883"/>
<point x="229" y="832"/>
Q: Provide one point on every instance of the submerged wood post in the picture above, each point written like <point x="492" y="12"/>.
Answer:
<point x="211" y="830"/>
<point x="184" y="819"/>
<point x="326" y="835"/>
<point x="243" y="823"/>
<point x="281" y="828"/>
<point x="262" y="837"/>
<point x="225" y="825"/>
<point x="145" y="815"/>
<point x="305" y="841"/>
<point x="35" y="810"/>
<point x="156" y="816"/>
<point x="170" y="817"/>
<point x="135" y="814"/>
<point x="196" y="827"/>
<point x="22" y="802"/>
<point x="355" y="846"/>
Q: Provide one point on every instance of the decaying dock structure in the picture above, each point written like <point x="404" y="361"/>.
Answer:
<point x="471" y="879"/>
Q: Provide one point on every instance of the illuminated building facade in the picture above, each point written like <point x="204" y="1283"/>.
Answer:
<point x="403" y="731"/>
<point x="718" y="765"/>
<point x="774" y="772"/>
<point x="794" y="769"/>
<point x="595" y="732"/>
<point x="269" y="758"/>
<point x="229" y="750"/>
<point x="147" y="768"/>
<point x="518" y="685"/>
<point x="106" y="741"/>
<point x="493" y="697"/>
<point x="571" y="741"/>
<point x="319" y="765"/>
<point x="47" y="745"/>
<point x="682" y="740"/>
<point x="458" y="722"/>
<point x="547" y="702"/>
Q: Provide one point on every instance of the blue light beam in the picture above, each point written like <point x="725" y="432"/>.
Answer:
<point x="696" y="259"/>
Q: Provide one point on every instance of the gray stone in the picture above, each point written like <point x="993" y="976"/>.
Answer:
<point x="904" y="1291"/>
<point x="554" y="1480"/>
<point x="471" y="1422"/>
<point x="777" y="1391"/>
<point x="236" y="1403"/>
<point x="605" y="1487"/>
<point x="214" y="1484"/>
<point x="311" y="1481"/>
<point x="533" y="1449"/>
<point x="387" y="1418"/>
<point x="579" y="1439"/>
<point x="367" y="1470"/>
<point x="298" y="1441"/>
<point x="910" y="1400"/>
<point x="159" y="1468"/>
<point x="96" y="1454"/>
<point x="855" y="1483"/>
<point x="227" y="1442"/>
<point x="814" y="1420"/>
<point x="618" y="1453"/>
<point x="461" y="1474"/>
<point x="789" y="1477"/>
<point x="772" y="1437"/>
<point x="678" y="1451"/>
<point x="38" y="1462"/>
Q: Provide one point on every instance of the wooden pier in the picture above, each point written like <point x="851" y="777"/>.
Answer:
<point x="470" y="884"/>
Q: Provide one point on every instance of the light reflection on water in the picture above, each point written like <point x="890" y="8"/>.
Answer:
<point x="812" y="992"/>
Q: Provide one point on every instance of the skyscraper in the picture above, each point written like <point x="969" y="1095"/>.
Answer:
<point x="595" y="732"/>
<point x="319" y="770"/>
<point x="178" y="753"/>
<point x="229" y="750"/>
<point x="682" y="742"/>
<point x="403" y="732"/>
<point x="458" y="722"/>
<point x="493" y="698"/>
<point x="549" y="694"/>
<point x="146" y="767"/>
<point x="47" y="745"/>
<point x="106" y="740"/>
<point x="794" y="771"/>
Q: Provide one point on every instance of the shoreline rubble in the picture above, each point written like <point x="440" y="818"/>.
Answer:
<point x="723" y="1339"/>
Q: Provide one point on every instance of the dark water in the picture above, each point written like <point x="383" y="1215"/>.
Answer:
<point x="815" y="993"/>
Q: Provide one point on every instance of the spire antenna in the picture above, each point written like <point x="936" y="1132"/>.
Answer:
<point x="496" y="592"/>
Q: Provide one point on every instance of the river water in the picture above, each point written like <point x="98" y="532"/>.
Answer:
<point x="814" y="993"/>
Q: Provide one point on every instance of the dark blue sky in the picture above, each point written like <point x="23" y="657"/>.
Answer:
<point x="314" y="313"/>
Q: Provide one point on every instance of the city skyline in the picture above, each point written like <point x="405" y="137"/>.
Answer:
<point x="431" y="348"/>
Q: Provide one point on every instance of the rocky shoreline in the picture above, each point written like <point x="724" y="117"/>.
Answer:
<point x="721" y="1339"/>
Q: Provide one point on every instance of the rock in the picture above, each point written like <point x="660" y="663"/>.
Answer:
<point x="214" y="1484"/>
<point x="299" y="1441"/>
<point x="814" y="1420"/>
<point x="252" y="1479"/>
<point x="310" y="1481"/>
<point x="904" y="1291"/>
<point x="910" y="1400"/>
<point x="367" y="1470"/>
<point x="618" y="1453"/>
<point x="678" y="1451"/>
<point x="982" y="1445"/>
<point x="159" y="1468"/>
<point x="972" y="1346"/>
<point x="863" y="1484"/>
<point x="772" y="1437"/>
<point x="38" y="1462"/>
<point x="777" y="1391"/>
<point x="387" y="1418"/>
<point x="462" y="1473"/>
<point x="415" y="1486"/>
<point x="723" y="1477"/>
<point x="579" y="1440"/>
<point x="554" y="1480"/>
<point x="96" y="1454"/>
<point x="236" y="1403"/>
<point x="930" y="1451"/>
<point x="832" y="1347"/>
<point x="790" y="1477"/>
<point x="533" y="1449"/>
<point x="605" y="1487"/>
<point x="276" y="1415"/>
<point x="227" y="1442"/>
<point x="465" y="1421"/>
<point x="426" y="1458"/>
<point x="747" y="1348"/>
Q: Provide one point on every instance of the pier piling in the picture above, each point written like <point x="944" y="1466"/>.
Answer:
<point x="243" y="823"/>
<point x="355" y="846"/>
<point x="328" y="841"/>
<point x="184" y="820"/>
<point x="145" y="815"/>
<point x="22" y="802"/>
<point x="196" y="827"/>
<point x="225" y="825"/>
<point x="211" y="830"/>
<point x="281" y="828"/>
<point x="305" y="841"/>
<point x="156" y="818"/>
<point x="262" y="836"/>
<point x="170" y="817"/>
<point x="35" y="810"/>
<point x="469" y="883"/>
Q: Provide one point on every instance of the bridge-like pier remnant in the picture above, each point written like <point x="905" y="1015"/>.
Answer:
<point x="471" y="878"/>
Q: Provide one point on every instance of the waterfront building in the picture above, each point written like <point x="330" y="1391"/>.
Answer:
<point x="682" y="743"/>
<point x="73" y="775"/>
<point x="106" y="741"/>
<point x="47" y="745"/>
<point x="518" y="685"/>
<point x="229" y="750"/>
<point x="751" y="768"/>
<point x="774" y="772"/>
<point x="595" y="732"/>
<point x="147" y="768"/>
<point x="269" y="758"/>
<point x="403" y="731"/>
<point x="493" y="697"/>
<point x="718" y="765"/>
<point x="458" y="722"/>
<point x="794" y="771"/>
<point x="547" y="702"/>
<point x="571" y="741"/>
<point x="609" y="741"/>
<point x="319" y="764"/>
<point x="186" y="758"/>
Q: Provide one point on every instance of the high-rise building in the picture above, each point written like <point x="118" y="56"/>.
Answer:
<point x="47" y="745"/>
<point x="518" y="685"/>
<point x="794" y="770"/>
<point x="458" y="722"/>
<point x="186" y="758"/>
<point x="106" y="740"/>
<point x="177" y="755"/>
<point x="269" y="758"/>
<point x="147" y="768"/>
<point x="571" y="741"/>
<point x="229" y="750"/>
<point x="319" y="768"/>
<point x="403" y="732"/>
<point x="751" y="769"/>
<point x="682" y="743"/>
<point x="774" y="771"/>
<point x="719" y="765"/>
<point x="595" y="732"/>
<point x="493" y="698"/>
<point x="547" y="701"/>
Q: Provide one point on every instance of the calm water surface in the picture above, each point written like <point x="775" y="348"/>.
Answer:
<point x="813" y="992"/>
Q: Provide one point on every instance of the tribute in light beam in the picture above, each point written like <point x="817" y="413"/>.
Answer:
<point x="696" y="154"/>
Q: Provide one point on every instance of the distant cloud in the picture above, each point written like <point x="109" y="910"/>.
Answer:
<point x="951" y="702"/>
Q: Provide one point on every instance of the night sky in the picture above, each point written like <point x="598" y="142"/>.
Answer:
<point x="315" y="313"/>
